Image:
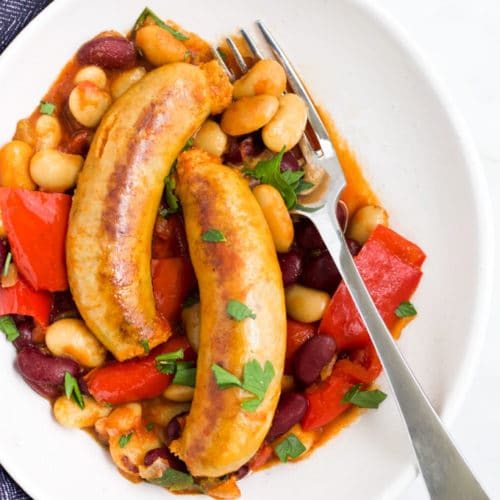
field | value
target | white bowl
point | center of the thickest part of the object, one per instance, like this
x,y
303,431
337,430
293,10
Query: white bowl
x,y
420,161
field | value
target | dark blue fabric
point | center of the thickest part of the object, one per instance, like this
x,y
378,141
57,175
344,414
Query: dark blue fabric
x,y
14,16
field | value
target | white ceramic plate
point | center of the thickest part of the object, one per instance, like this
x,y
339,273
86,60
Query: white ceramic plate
x,y
417,156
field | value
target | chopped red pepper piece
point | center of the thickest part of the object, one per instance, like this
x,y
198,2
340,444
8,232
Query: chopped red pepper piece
x,y
389,266
172,280
36,224
325,401
135,379
22,299
361,367
169,238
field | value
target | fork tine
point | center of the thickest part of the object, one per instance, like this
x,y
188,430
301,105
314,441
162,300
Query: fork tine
x,y
237,55
251,44
299,88
221,61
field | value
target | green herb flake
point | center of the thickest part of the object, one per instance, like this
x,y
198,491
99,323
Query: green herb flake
x,y
364,399
187,55
174,480
72,390
291,447
166,363
47,108
239,311
191,300
8,327
124,439
213,236
303,208
147,12
6,264
222,54
170,198
405,310
185,375
150,427
256,380
145,346
107,405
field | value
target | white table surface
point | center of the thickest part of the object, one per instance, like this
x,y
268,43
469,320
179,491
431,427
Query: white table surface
x,y
460,39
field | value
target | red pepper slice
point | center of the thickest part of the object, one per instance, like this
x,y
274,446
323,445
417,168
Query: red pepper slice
x,y
22,299
135,379
172,280
325,401
389,265
362,367
36,225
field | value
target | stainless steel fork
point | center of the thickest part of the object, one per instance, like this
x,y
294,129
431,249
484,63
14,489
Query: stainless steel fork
x,y
445,472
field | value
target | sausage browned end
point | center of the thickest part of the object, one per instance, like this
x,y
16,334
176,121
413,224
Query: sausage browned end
x,y
220,436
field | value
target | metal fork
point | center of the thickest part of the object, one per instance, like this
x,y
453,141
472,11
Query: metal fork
x,y
446,474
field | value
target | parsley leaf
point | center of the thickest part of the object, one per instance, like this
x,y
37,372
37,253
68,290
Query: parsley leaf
x,y
213,235
8,327
150,426
147,12
185,373
174,480
405,310
256,380
6,264
222,54
47,108
170,198
291,447
145,345
72,390
364,399
166,363
239,311
124,439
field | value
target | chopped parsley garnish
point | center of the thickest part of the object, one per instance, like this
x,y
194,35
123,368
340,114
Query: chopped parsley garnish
x,y
222,54
8,327
166,363
124,439
364,399
47,108
174,480
239,311
256,380
6,264
291,447
288,183
405,310
185,373
150,427
145,345
213,235
72,390
147,12
170,198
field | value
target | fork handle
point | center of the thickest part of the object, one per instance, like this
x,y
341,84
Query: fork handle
x,y
446,474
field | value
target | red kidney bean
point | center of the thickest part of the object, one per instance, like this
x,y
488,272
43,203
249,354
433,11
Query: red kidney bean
x,y
79,142
45,390
233,153
24,326
174,429
290,411
63,306
291,267
354,247
43,368
108,52
307,236
242,472
289,162
312,356
4,250
251,146
320,272
165,454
